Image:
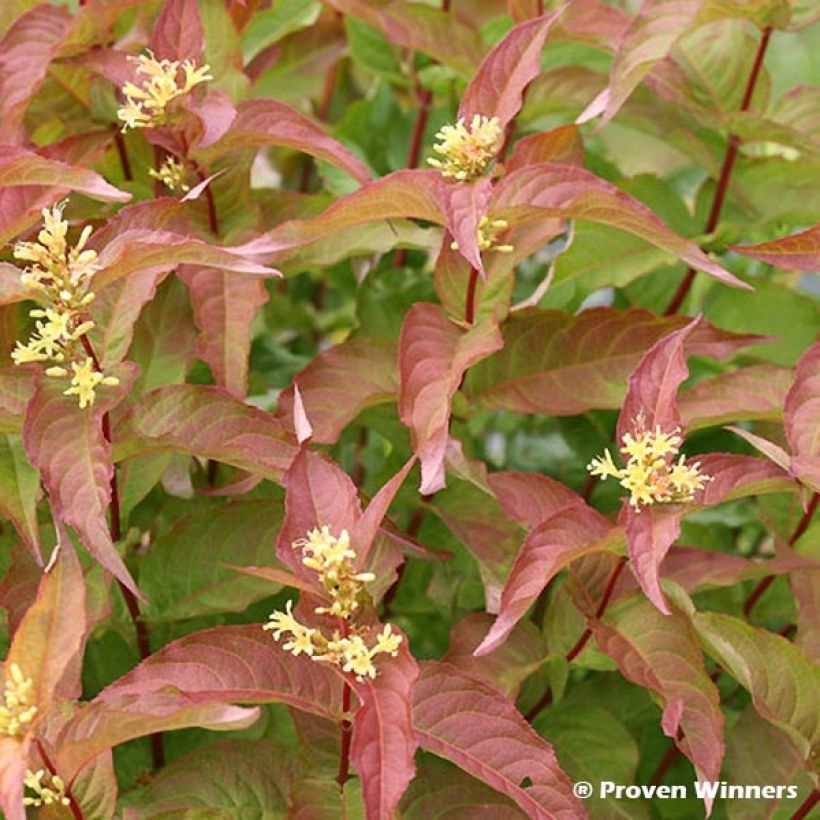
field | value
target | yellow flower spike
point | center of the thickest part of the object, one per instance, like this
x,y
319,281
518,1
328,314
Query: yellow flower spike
x,y
85,381
17,711
49,789
145,104
171,174
333,560
651,474
466,152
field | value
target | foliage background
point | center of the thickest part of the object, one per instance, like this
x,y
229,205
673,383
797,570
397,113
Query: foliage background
x,y
204,435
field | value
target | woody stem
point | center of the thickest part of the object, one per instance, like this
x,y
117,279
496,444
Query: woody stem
x,y
115,528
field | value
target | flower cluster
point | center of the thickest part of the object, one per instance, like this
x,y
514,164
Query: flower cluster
x,y
466,152
60,277
17,710
651,473
48,789
145,104
332,559
488,233
171,174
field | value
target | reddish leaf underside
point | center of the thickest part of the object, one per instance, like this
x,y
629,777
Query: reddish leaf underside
x,y
67,446
801,418
384,741
497,89
801,251
177,32
434,354
465,720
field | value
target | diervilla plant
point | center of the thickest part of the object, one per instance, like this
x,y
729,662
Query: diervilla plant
x,y
408,405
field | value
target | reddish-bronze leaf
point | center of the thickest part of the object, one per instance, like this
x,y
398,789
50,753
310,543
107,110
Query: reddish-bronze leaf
x,y
570,533
472,724
802,418
207,422
13,764
19,492
800,251
177,33
268,122
555,189
497,89
562,144
434,354
531,498
341,382
661,653
67,446
384,742
225,305
751,393
464,205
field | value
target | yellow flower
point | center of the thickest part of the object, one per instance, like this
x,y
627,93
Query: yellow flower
x,y
85,381
651,473
145,104
466,152
171,174
333,560
17,710
49,789
488,232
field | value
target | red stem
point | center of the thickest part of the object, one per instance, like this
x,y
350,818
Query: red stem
x,y
469,307
140,628
764,583
666,762
119,142
576,650
75,807
347,726
808,804
321,113
725,172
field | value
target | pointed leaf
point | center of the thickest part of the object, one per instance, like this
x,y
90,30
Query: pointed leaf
x,y
649,535
146,252
497,89
230,664
103,724
318,493
21,167
464,204
562,144
476,727
751,393
653,385
19,488
800,251
531,498
67,447
49,641
782,681
570,533
661,653
225,305
802,418
268,122
177,33
207,422
384,743
434,354
341,382
772,451
553,189
736,476
555,363
185,573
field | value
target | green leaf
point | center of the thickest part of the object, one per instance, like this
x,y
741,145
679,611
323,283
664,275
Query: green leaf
x,y
782,681
268,27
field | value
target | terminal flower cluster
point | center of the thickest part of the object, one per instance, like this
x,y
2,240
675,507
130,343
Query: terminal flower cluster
x,y
165,80
488,233
171,174
60,277
49,789
651,473
17,710
467,151
332,559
